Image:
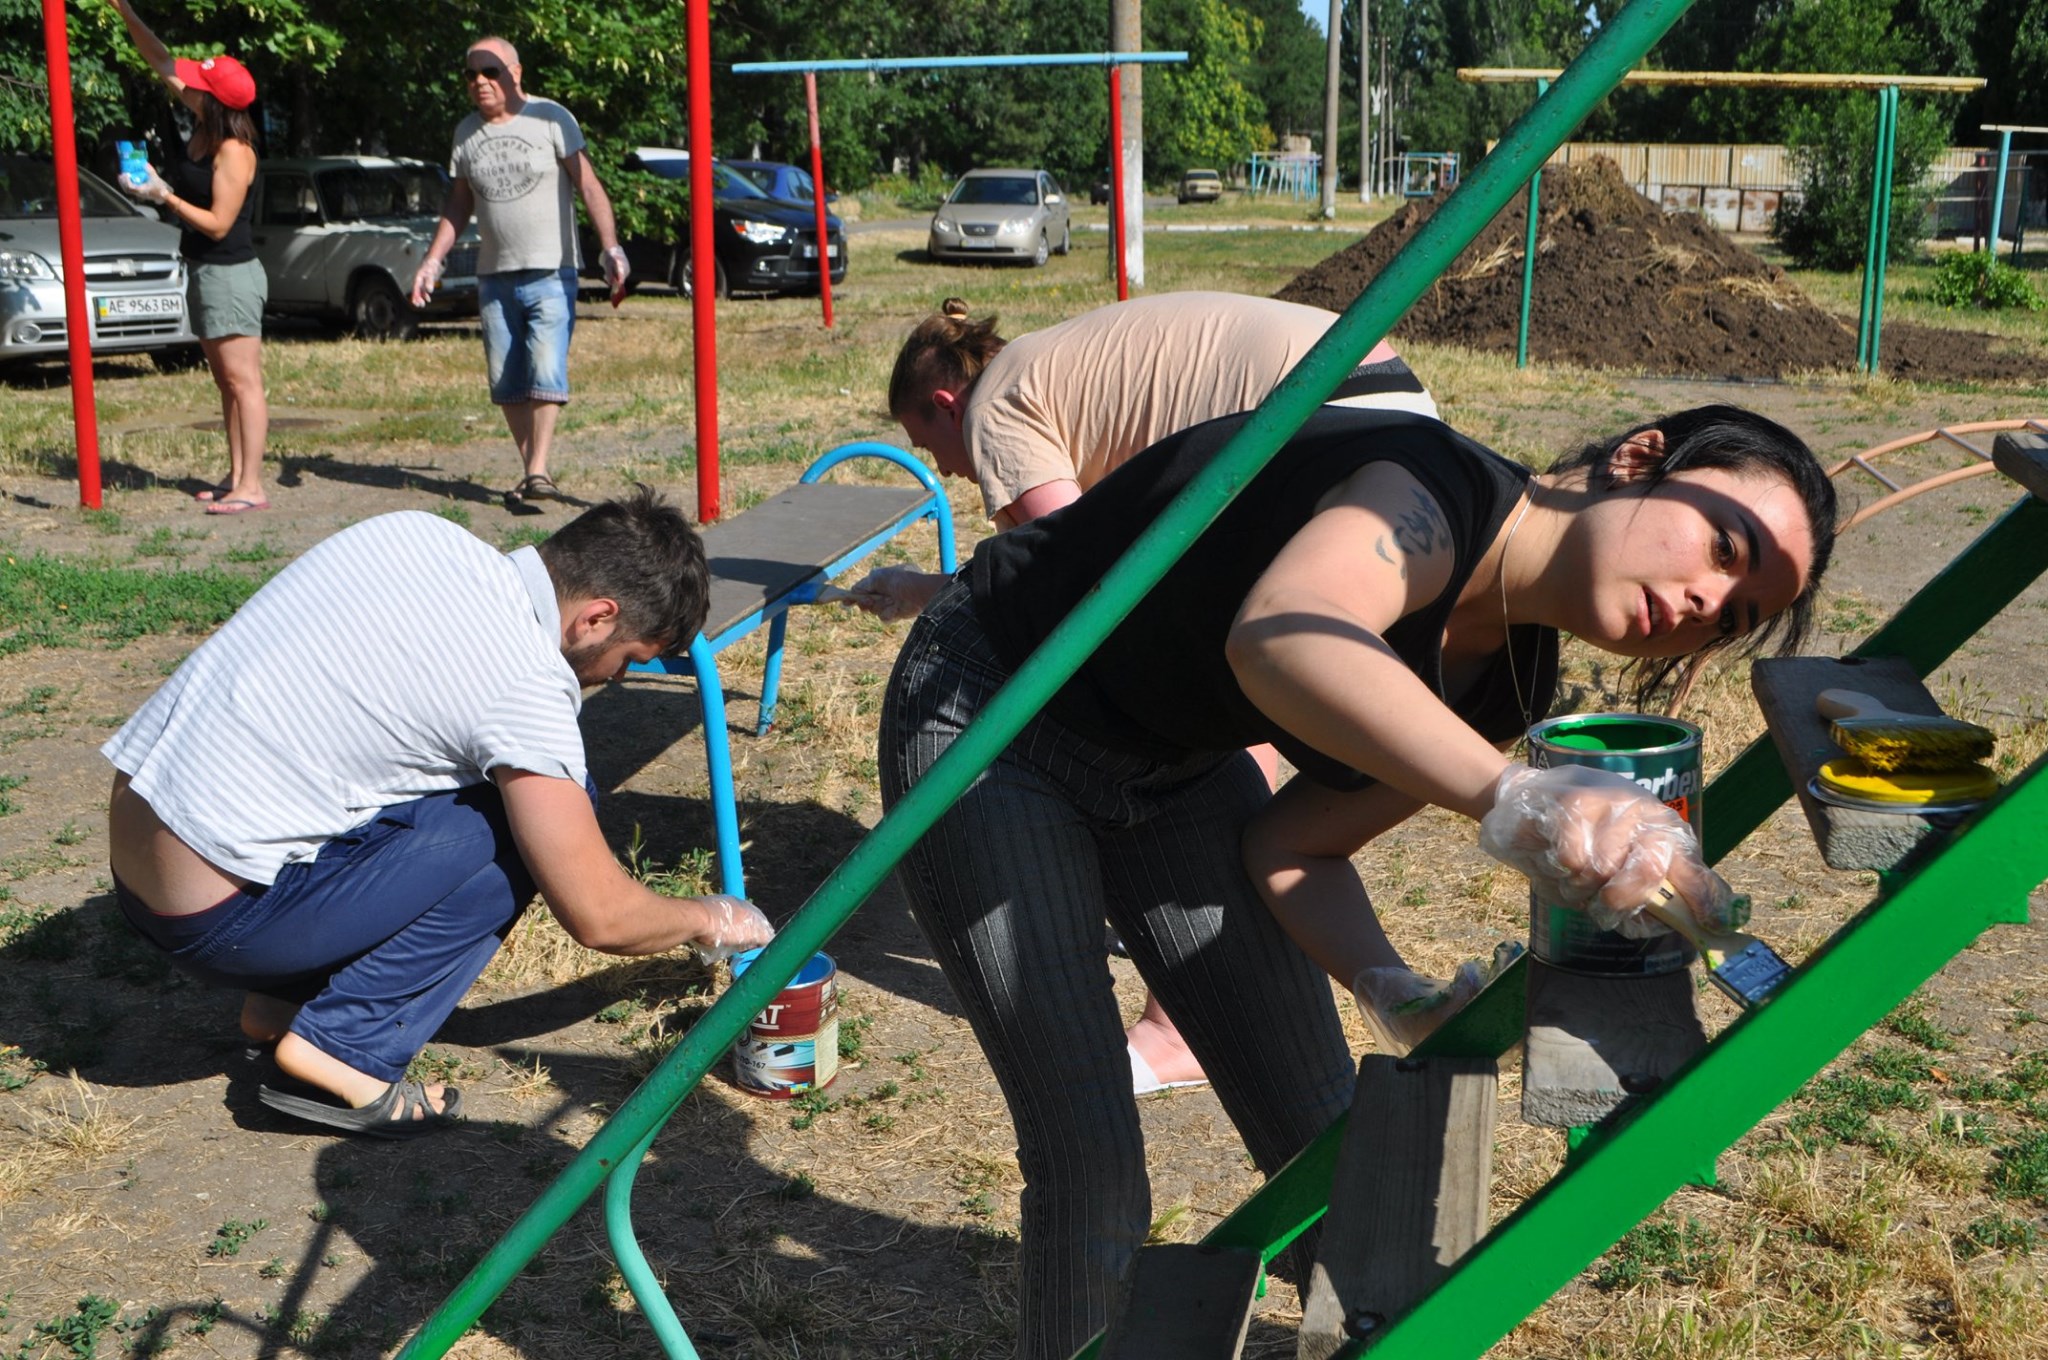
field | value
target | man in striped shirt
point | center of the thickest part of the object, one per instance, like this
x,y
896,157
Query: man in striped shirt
x,y
342,800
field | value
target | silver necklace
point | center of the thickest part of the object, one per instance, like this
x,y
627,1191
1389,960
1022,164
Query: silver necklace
x,y
1507,629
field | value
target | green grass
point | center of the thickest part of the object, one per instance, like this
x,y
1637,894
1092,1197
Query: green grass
x,y
55,602
230,1237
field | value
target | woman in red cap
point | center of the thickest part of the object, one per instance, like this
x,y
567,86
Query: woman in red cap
x,y
206,191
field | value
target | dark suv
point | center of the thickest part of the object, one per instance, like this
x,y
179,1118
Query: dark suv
x,y
761,244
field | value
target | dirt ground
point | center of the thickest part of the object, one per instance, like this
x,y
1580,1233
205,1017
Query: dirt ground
x,y
1619,284
136,1165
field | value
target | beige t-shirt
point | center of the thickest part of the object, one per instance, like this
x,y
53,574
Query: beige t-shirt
x,y
525,211
1075,400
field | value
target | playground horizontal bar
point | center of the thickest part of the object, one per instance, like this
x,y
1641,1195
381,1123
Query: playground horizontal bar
x,y
764,68
1792,80
1406,277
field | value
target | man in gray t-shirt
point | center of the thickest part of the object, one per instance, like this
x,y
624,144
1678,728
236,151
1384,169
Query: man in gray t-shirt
x,y
516,159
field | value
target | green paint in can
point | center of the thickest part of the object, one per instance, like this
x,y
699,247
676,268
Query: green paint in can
x,y
1663,756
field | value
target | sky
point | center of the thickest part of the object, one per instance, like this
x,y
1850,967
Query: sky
x,y
1317,11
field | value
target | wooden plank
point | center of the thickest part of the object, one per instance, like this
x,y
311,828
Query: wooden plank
x,y
1184,1301
2023,456
762,554
1596,1041
1849,838
1409,1197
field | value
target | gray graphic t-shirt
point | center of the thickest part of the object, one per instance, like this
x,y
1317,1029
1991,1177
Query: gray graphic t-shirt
x,y
523,207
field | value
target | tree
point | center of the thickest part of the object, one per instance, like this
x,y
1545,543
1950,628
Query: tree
x,y
1202,113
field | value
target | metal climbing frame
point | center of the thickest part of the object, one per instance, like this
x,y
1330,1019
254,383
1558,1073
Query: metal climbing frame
x,y
616,1147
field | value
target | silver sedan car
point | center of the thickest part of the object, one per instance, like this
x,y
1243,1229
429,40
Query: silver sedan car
x,y
134,279
1002,215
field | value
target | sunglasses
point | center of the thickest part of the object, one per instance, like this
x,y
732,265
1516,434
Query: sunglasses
x,y
470,73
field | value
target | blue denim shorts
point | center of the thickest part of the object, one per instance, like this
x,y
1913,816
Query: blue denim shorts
x,y
528,316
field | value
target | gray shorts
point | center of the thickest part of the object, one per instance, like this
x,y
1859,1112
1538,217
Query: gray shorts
x,y
227,299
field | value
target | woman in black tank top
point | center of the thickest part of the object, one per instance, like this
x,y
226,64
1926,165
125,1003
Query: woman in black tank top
x,y
206,190
1382,602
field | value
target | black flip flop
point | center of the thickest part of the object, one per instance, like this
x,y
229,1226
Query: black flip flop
x,y
403,1111
536,486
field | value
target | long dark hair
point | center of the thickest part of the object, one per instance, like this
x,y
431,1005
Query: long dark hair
x,y
1743,442
945,350
219,124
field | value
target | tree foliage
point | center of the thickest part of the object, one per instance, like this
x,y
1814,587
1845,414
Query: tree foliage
x,y
343,75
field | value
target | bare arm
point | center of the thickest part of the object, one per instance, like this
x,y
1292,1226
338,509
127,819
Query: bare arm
x,y
1308,648
234,173
583,175
154,53
596,901
1298,852
1039,500
455,215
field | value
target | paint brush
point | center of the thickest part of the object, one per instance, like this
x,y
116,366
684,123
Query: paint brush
x,y
1742,966
1885,739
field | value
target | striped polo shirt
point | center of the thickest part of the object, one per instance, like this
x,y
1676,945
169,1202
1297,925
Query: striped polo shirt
x,y
399,658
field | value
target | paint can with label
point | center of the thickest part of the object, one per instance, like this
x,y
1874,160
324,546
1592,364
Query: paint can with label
x,y
792,1046
1663,756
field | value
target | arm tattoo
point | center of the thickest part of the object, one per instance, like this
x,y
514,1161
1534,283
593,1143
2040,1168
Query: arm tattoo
x,y
1379,545
1420,530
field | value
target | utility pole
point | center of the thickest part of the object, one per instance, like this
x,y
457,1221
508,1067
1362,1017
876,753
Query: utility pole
x,y
1124,36
1330,69
1365,101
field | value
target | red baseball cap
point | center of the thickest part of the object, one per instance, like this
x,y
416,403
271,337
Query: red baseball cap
x,y
222,77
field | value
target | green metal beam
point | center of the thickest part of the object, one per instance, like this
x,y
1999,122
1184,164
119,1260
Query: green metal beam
x,y
1639,1157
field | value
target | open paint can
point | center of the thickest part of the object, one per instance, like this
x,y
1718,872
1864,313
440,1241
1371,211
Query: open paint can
x,y
792,1046
1663,756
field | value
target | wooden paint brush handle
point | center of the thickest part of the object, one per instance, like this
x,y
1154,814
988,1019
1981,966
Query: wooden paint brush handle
x,y
1668,905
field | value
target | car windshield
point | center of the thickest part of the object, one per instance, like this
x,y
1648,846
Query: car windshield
x,y
368,193
28,188
1012,190
726,182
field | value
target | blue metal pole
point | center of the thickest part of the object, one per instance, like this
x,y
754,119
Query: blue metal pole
x,y
1998,194
767,68
1870,241
1529,254
1890,105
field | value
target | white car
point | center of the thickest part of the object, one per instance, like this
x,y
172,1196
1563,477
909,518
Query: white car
x,y
1002,215
134,278
341,236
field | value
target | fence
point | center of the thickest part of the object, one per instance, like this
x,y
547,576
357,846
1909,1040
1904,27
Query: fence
x,y
1739,186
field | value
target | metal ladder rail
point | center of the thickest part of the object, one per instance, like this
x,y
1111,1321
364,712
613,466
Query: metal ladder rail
x,y
1621,43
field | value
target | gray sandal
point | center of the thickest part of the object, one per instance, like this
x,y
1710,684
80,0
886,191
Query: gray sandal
x,y
403,1111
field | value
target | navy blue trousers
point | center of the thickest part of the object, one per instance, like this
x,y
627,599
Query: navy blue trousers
x,y
379,935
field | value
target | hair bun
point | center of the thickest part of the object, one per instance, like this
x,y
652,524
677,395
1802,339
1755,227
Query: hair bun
x,y
954,307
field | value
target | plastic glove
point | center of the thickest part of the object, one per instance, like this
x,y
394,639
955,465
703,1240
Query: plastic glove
x,y
1595,840
735,925
153,189
616,271
425,279
893,594
1402,1008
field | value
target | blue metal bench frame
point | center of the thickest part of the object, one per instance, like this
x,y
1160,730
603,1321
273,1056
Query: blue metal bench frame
x,y
700,659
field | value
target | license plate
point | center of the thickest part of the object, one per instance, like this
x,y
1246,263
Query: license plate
x,y
810,252
152,304
978,242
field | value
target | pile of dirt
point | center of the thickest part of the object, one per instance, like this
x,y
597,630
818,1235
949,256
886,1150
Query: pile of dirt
x,y
1619,284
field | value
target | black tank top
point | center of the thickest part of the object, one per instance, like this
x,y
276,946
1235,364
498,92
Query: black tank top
x,y
1160,685
193,181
